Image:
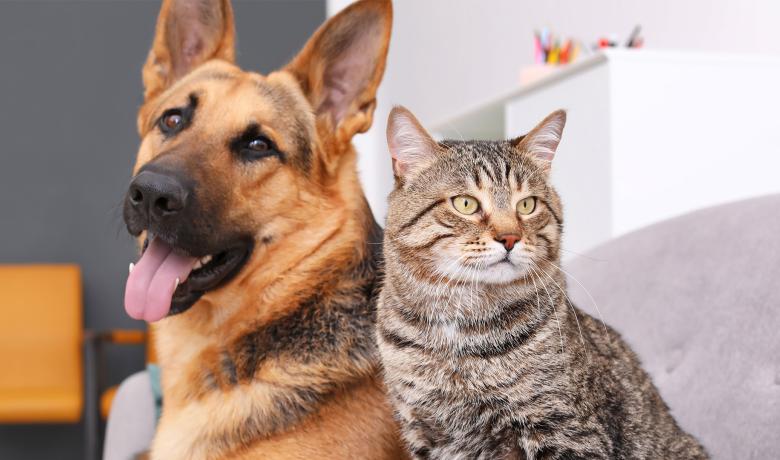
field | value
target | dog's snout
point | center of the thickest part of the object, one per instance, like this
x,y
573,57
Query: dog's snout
x,y
154,195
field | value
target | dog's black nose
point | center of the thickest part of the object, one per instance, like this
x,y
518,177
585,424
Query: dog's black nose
x,y
154,196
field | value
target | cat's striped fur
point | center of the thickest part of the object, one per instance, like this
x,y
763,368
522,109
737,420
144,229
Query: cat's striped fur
x,y
484,356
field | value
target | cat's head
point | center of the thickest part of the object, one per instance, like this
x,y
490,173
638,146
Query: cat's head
x,y
473,211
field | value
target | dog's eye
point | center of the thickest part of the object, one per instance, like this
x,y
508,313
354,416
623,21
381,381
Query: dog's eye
x,y
171,121
253,145
258,147
261,144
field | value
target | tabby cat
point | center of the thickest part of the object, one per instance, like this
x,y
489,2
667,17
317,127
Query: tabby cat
x,y
484,356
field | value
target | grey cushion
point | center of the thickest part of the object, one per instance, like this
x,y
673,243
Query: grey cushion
x,y
132,420
698,298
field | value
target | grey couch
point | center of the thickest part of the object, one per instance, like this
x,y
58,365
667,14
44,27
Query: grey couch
x,y
698,297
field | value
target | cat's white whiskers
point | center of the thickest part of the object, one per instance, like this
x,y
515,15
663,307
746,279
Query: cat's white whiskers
x,y
444,272
568,301
440,286
470,283
458,281
471,286
474,284
536,291
598,310
555,309
579,254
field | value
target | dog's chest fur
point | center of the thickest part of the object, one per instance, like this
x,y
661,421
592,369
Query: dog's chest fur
x,y
225,391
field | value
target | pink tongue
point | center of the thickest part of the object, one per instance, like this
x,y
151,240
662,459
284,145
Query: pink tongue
x,y
150,286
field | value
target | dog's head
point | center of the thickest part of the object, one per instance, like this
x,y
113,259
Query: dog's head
x,y
232,160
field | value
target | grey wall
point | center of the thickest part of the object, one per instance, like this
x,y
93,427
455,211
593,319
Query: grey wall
x,y
70,86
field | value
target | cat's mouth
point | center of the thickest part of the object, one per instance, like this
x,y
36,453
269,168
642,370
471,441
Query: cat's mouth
x,y
489,267
505,260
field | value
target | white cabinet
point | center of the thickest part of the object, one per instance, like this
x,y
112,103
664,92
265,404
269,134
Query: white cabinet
x,y
650,135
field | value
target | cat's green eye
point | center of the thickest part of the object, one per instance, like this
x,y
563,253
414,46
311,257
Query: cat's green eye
x,y
526,206
465,204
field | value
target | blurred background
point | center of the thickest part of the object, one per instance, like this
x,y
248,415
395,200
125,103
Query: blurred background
x,y
457,64
684,121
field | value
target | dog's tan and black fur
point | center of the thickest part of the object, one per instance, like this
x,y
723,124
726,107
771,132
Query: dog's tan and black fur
x,y
277,359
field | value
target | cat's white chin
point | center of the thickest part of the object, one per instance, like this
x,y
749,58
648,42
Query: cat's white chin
x,y
500,272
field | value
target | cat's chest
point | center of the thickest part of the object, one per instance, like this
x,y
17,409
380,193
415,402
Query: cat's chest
x,y
451,359
447,334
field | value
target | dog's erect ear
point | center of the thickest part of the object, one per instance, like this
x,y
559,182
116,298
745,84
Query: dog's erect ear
x,y
341,66
189,33
410,145
543,140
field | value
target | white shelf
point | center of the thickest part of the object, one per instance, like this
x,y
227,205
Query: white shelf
x,y
650,135
486,120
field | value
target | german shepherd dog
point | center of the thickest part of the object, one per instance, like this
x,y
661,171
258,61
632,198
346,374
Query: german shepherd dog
x,y
260,254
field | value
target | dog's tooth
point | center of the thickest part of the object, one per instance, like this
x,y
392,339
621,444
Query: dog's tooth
x,y
132,266
176,284
205,260
197,265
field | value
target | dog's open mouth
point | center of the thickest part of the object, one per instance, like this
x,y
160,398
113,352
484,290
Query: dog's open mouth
x,y
167,280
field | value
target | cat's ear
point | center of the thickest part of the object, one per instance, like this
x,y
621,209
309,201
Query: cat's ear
x,y
188,34
543,140
411,147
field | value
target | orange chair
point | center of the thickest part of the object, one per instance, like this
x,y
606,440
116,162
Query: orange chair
x,y
124,337
44,349
41,344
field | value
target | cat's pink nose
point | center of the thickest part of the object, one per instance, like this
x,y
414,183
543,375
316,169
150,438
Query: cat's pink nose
x,y
508,240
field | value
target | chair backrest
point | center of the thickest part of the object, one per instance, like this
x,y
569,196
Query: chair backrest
x,y
698,298
41,353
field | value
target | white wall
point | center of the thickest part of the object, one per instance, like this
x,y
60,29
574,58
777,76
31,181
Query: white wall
x,y
447,55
